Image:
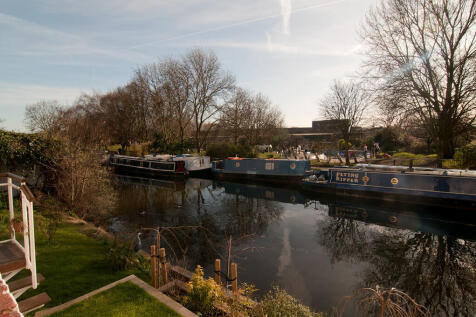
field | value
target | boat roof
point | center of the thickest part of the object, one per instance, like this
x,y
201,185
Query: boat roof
x,y
263,159
422,170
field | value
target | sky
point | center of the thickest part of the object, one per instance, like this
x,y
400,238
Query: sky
x,y
289,50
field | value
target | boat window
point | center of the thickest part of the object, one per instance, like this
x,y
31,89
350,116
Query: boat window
x,y
269,194
269,166
237,164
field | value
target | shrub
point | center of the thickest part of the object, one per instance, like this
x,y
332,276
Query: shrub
x,y
388,139
380,302
467,156
278,302
341,144
84,186
161,145
122,256
414,144
224,150
202,293
29,155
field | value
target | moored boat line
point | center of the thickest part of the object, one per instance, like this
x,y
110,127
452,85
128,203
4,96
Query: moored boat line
x,y
442,187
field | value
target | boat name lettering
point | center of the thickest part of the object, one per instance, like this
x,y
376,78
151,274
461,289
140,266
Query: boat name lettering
x,y
347,177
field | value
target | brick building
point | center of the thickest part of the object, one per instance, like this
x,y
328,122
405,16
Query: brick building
x,y
327,131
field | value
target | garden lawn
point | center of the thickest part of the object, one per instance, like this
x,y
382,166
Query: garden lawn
x,y
122,300
73,265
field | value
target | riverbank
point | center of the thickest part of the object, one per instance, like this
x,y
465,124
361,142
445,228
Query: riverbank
x,y
73,261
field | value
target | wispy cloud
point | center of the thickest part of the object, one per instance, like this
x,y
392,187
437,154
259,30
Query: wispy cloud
x,y
33,39
20,95
270,46
286,10
15,97
232,25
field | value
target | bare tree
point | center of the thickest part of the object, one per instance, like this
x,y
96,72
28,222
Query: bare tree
x,y
346,103
251,116
176,90
209,88
120,116
237,113
44,117
264,120
422,57
149,82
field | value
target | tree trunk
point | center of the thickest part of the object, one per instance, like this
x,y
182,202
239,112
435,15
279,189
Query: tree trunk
x,y
181,138
347,157
197,140
445,143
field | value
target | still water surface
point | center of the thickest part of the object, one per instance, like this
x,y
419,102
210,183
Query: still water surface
x,y
318,248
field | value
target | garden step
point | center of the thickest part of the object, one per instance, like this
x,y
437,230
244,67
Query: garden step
x,y
24,283
11,257
33,303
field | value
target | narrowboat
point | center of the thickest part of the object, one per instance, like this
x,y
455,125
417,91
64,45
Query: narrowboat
x,y
273,170
441,187
146,167
195,165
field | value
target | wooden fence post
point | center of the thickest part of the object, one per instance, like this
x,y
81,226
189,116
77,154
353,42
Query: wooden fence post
x,y
217,271
234,279
163,266
158,240
153,266
10,207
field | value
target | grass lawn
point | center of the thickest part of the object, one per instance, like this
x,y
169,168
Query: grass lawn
x,y
122,300
73,265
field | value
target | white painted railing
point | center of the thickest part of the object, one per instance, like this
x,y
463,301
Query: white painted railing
x,y
26,198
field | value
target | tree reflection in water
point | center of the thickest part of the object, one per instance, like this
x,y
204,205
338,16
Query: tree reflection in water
x,y
427,261
437,271
219,214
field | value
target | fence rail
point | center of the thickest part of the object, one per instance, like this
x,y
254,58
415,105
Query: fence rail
x,y
26,199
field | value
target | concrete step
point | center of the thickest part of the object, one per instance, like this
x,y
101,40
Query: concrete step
x,y
33,303
11,257
24,283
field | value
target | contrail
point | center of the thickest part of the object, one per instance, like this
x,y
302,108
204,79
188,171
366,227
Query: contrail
x,y
249,21
286,11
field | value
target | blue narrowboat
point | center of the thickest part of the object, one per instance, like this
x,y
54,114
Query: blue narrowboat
x,y
277,170
455,188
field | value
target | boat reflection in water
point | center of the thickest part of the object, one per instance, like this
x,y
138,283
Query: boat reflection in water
x,y
319,248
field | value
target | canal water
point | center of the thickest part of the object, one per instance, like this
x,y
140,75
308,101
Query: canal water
x,y
318,248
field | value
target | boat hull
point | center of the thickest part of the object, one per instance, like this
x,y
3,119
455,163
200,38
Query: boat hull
x,y
281,179
402,188
202,173
130,170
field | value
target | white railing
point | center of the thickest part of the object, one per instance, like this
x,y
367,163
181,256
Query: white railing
x,y
26,198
